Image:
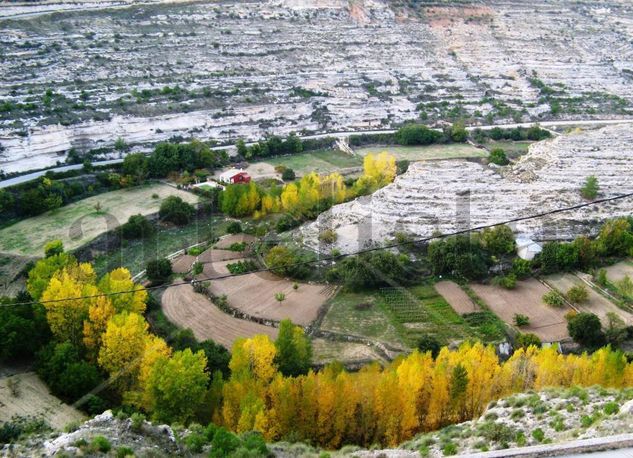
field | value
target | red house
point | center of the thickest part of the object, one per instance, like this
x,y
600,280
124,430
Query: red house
x,y
235,176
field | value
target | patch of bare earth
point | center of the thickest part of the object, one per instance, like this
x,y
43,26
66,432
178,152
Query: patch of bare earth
x,y
620,270
456,297
547,322
188,309
254,294
225,242
182,264
596,303
326,351
213,255
26,395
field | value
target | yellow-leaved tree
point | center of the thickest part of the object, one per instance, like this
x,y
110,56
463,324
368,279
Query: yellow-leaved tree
x,y
116,283
380,167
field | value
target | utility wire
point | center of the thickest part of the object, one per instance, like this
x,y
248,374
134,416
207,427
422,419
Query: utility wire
x,y
341,256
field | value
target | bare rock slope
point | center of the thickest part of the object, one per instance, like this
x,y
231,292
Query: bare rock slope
x,y
444,196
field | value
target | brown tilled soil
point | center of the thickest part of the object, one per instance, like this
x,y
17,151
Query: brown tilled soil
x,y
213,255
326,351
456,297
225,242
255,294
216,269
188,309
597,303
182,264
547,322
618,271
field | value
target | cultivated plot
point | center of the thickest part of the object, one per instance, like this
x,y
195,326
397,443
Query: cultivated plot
x,y
596,303
426,153
326,351
26,395
255,294
362,315
322,162
188,309
456,297
82,221
547,322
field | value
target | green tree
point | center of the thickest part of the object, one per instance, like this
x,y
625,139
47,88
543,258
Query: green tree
x,y
458,132
429,343
527,340
586,329
590,188
158,270
175,210
23,328
288,175
136,227
615,237
53,248
415,134
294,350
177,386
499,240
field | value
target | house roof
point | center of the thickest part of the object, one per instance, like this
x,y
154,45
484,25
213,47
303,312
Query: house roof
x,y
230,174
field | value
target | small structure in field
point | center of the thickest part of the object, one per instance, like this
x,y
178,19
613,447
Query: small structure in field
x,y
527,248
235,176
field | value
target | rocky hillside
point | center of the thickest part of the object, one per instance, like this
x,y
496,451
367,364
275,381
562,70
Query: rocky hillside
x,y
446,195
145,71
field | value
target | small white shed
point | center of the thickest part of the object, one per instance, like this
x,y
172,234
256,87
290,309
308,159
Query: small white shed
x,y
527,248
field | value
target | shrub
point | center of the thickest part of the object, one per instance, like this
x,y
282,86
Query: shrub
x,y
577,294
498,156
237,246
611,408
449,449
538,435
527,340
197,268
234,227
288,175
136,227
521,268
100,444
254,441
223,443
521,320
195,442
158,270
175,210
590,188
53,247
601,277
506,281
554,299
499,240
413,134
328,236
195,251
137,420
241,267
586,329
124,452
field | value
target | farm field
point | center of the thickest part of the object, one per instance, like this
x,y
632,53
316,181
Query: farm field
x,y
512,149
546,322
456,297
188,309
427,152
420,310
324,161
135,254
596,304
255,294
225,242
326,351
34,399
79,222
346,316
620,270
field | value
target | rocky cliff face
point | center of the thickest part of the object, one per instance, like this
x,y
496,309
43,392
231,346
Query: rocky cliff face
x,y
445,196
222,70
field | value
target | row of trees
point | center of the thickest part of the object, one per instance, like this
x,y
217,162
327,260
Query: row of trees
x,y
387,406
311,195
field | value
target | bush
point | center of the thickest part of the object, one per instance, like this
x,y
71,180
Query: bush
x,y
414,134
241,267
499,240
498,156
158,270
137,227
288,175
124,452
554,299
223,443
238,246
175,210
586,329
506,281
590,188
234,227
521,268
197,268
578,294
137,420
521,320
328,236
601,277
527,340
286,262
195,442
538,435
53,247
100,444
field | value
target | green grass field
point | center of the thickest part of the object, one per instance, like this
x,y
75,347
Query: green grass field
x,y
512,149
324,161
135,254
345,317
80,222
425,153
